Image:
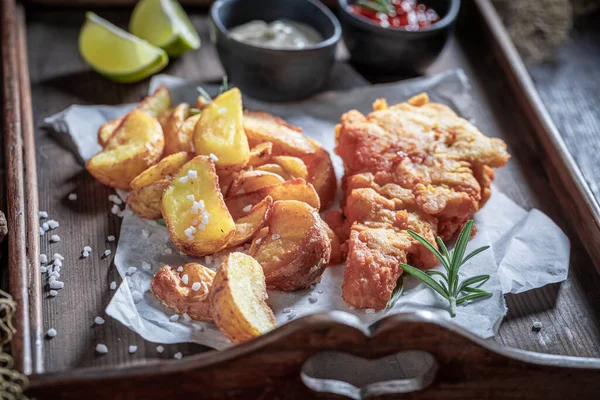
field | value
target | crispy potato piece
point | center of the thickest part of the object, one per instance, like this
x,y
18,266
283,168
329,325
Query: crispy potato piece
x,y
296,248
247,226
336,246
186,131
186,218
260,154
294,166
296,189
136,144
220,132
251,181
181,297
174,140
154,105
145,201
276,169
238,299
166,168
262,127
321,174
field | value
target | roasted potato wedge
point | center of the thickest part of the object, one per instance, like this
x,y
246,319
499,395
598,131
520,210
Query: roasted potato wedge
x,y
153,105
185,295
136,144
145,201
296,189
238,299
276,169
186,131
321,174
260,154
251,181
220,131
165,169
194,211
296,248
175,141
262,127
247,226
293,166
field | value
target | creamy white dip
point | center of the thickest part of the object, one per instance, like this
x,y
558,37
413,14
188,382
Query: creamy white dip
x,y
280,34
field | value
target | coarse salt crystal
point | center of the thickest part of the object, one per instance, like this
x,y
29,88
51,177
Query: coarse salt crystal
x,y
45,227
43,269
51,332
174,318
146,266
54,274
196,286
53,293
137,296
125,213
58,263
132,349
197,326
43,258
52,224
213,157
51,279
43,214
73,196
312,300
185,279
55,238
115,199
222,110
115,209
178,356
98,320
101,348
131,270
113,285
110,238
160,349
167,251
186,318
85,254
258,240
57,256
57,285
291,316
107,252
183,179
192,174
287,310
241,191
190,197
247,208
179,269
537,326
370,311
88,249
145,233
275,236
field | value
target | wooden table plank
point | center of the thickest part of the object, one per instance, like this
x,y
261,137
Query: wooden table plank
x,y
570,312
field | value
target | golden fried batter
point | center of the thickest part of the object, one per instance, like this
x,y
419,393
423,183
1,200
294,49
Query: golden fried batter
x,y
414,165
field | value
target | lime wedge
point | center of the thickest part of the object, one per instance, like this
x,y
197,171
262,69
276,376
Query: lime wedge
x,y
164,24
117,54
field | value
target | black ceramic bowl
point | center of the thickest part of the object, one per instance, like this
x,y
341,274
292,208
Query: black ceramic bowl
x,y
270,74
397,50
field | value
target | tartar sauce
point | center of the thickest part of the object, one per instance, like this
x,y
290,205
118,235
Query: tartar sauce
x,y
280,34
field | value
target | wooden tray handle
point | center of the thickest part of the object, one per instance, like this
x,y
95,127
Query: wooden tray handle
x,y
272,365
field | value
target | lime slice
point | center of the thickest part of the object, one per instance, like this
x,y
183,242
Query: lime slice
x,y
164,24
117,54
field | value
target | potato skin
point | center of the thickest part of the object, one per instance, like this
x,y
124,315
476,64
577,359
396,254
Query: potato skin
x,y
238,314
145,202
168,287
298,257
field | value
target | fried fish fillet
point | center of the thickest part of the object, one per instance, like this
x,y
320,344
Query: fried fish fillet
x,y
414,165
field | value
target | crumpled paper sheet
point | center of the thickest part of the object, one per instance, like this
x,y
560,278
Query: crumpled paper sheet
x,y
528,249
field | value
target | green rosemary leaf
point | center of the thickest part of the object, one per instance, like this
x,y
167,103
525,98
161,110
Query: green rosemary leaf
x,y
396,293
474,296
429,247
204,94
224,85
474,253
195,111
473,290
432,272
444,248
426,279
371,5
481,279
461,246
161,222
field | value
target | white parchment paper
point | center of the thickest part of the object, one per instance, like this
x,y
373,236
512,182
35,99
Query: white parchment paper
x,y
528,249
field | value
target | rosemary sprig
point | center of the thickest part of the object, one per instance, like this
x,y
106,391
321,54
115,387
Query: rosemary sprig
x,y
224,85
204,94
448,285
380,6
195,111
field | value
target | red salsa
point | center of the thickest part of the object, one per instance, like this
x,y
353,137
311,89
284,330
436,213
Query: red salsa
x,y
408,14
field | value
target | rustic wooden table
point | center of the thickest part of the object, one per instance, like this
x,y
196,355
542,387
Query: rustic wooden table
x,y
570,312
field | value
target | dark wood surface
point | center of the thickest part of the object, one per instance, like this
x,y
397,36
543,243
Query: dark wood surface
x,y
570,312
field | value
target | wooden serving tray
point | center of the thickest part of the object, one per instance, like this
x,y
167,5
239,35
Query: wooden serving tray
x,y
561,361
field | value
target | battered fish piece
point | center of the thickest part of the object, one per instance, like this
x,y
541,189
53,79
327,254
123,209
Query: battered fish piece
x,y
414,165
